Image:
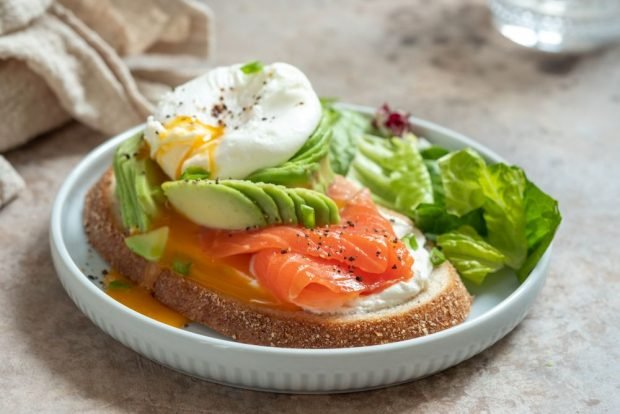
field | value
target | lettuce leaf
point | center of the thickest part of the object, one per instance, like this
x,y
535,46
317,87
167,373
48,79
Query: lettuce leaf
x,y
347,129
520,219
434,219
433,169
462,173
433,152
504,212
470,254
394,171
483,216
542,218
469,184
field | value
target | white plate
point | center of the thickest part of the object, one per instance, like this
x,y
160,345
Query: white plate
x,y
499,305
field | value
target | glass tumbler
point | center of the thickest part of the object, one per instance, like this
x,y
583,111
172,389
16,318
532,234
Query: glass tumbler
x,y
558,26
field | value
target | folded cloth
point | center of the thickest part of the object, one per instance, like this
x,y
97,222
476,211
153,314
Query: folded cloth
x,y
10,182
101,62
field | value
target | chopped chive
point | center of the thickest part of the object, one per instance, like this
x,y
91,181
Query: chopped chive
x,y
437,257
118,284
411,241
252,67
181,266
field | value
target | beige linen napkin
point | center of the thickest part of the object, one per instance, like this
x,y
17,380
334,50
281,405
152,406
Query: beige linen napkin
x,y
101,62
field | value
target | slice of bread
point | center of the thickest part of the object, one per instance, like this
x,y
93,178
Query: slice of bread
x,y
443,304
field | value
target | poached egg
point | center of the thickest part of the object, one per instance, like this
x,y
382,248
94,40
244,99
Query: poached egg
x,y
232,123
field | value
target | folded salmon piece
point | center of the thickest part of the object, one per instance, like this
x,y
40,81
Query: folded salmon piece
x,y
322,268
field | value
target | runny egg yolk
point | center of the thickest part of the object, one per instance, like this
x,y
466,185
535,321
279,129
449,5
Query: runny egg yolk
x,y
203,138
135,297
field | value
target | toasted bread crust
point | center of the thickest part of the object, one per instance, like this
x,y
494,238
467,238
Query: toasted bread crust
x,y
446,303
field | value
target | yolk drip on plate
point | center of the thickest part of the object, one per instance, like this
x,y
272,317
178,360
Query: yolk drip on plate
x,y
205,139
139,299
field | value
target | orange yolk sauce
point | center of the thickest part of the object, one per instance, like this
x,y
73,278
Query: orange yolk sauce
x,y
139,299
228,277
206,140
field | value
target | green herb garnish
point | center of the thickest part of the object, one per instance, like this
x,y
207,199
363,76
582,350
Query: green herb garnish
x,y
181,266
437,257
118,284
411,241
252,67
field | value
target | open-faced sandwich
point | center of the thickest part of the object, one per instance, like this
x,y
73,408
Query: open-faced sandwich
x,y
249,205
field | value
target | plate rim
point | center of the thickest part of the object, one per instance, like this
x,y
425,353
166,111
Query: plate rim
x,y
57,243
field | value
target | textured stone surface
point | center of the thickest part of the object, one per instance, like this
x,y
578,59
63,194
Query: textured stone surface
x,y
558,117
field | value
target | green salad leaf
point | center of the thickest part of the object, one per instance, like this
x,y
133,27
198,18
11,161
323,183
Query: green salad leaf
x,y
433,152
470,184
348,128
504,212
438,192
483,217
472,256
394,171
520,219
542,218
462,173
434,219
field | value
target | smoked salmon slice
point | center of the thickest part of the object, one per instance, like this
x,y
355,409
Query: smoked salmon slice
x,y
322,268
305,281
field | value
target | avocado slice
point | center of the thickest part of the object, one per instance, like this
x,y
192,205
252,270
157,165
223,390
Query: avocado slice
x,y
149,245
259,196
286,206
305,213
138,180
334,213
312,199
238,204
128,207
211,204
144,196
329,216
307,216
304,169
125,172
291,175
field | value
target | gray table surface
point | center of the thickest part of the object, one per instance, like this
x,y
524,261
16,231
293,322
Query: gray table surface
x,y
557,117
